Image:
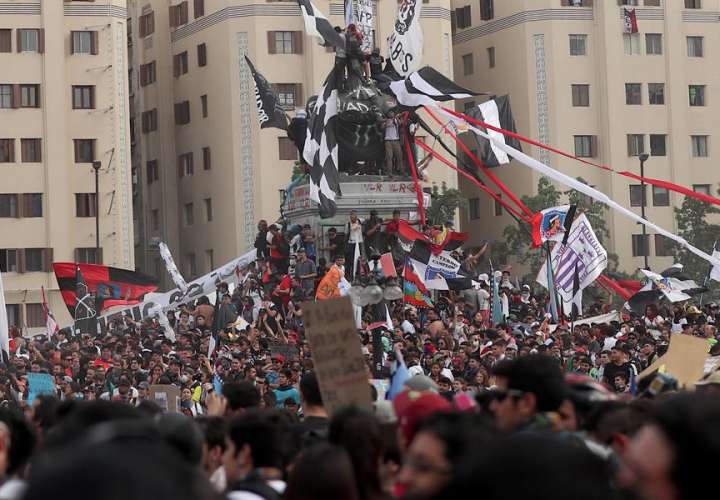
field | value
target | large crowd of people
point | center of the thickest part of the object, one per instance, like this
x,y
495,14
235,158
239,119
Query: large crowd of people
x,y
513,409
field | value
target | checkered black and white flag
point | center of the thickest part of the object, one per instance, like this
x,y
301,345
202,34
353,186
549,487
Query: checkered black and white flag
x,y
321,149
426,86
316,24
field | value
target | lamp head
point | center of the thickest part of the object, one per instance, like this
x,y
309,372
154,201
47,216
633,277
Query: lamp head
x,y
644,157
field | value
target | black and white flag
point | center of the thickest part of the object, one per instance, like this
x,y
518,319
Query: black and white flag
x,y
269,111
317,25
321,149
406,40
495,112
425,87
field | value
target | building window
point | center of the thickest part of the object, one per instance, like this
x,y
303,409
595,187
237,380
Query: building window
x,y
491,57
189,214
695,46
6,96
182,113
663,246
287,149
178,14
474,204
467,106
153,172
640,245
693,4
147,74
88,255
288,94
185,165
202,54
498,208
199,8
656,93
578,45
635,144
35,315
653,44
699,146
203,105
283,42
84,204
147,24
697,95
207,158
652,3
487,10
85,42
83,96
180,64
190,265
209,260
576,3
149,121
29,40
9,205
463,17
32,205
155,219
7,150
37,259
84,150
661,197
5,40
31,150
8,260
580,95
702,188
633,93
585,146
637,195
631,43
657,145
29,96
468,64
208,209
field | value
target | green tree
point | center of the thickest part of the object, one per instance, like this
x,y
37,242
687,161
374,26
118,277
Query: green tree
x,y
443,203
692,223
299,170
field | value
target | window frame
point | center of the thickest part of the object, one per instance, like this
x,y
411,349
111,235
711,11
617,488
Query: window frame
x,y
633,91
639,146
652,93
83,96
699,143
694,46
637,240
633,190
578,98
700,95
577,37
664,145
660,196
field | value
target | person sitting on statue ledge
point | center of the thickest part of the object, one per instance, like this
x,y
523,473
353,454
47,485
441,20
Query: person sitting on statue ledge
x,y
358,70
393,150
335,244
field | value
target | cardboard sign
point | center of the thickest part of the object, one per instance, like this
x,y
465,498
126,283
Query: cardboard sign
x,y
167,397
684,360
38,384
337,354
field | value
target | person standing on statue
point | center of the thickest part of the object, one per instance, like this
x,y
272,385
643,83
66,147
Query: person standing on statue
x,y
355,239
373,234
393,151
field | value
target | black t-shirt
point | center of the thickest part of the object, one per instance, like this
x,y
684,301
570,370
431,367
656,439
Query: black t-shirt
x,y
611,370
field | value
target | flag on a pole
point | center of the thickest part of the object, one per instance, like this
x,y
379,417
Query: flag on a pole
x,y
630,24
426,86
576,304
550,276
406,40
85,309
317,25
269,111
549,225
498,113
4,327
51,324
172,268
414,289
497,316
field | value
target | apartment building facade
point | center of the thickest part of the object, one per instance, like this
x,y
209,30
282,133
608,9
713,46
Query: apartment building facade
x,y
577,81
63,106
204,171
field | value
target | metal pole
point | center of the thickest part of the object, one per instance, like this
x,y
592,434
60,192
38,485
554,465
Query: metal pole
x,y
646,245
96,167
377,358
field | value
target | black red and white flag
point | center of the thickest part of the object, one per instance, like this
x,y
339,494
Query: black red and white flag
x,y
317,25
498,113
270,114
630,24
109,286
427,86
321,149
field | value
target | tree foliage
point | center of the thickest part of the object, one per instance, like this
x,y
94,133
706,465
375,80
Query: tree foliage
x,y
443,203
692,223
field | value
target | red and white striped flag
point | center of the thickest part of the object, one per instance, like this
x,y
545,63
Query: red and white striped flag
x,y
52,325
630,21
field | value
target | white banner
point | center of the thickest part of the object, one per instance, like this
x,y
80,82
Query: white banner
x,y
364,19
172,268
444,263
406,42
598,320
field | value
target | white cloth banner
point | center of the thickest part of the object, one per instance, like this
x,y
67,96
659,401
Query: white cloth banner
x,y
364,19
4,333
603,318
583,188
406,42
715,271
172,268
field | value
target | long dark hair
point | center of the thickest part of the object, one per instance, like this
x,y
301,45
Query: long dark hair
x,y
323,472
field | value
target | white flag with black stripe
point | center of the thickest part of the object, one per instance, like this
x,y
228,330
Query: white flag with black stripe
x,y
425,87
321,149
495,112
317,25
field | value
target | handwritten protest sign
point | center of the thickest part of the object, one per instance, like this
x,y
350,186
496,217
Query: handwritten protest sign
x,y
38,384
684,360
337,354
166,397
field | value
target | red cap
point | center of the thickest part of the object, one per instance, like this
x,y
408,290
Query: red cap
x,y
413,406
279,357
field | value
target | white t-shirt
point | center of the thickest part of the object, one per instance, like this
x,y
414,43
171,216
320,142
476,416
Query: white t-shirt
x,y
355,232
407,327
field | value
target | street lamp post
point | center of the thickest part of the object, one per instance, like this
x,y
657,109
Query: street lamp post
x,y
96,166
646,245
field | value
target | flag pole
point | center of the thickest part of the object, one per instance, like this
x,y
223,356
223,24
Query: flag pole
x,y
707,276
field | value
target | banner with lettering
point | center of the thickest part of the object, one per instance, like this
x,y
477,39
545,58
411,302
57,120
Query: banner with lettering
x,y
406,42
